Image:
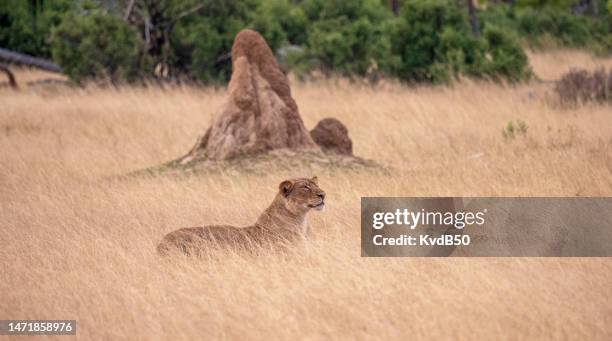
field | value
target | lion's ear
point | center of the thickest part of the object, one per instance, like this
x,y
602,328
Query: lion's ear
x,y
286,187
315,180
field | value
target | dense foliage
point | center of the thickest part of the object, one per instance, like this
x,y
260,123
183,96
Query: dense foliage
x,y
25,26
546,23
427,41
97,45
433,39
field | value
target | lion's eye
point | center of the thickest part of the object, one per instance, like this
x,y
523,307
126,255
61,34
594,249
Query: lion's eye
x,y
307,188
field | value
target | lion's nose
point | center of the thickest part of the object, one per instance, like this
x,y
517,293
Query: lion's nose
x,y
321,195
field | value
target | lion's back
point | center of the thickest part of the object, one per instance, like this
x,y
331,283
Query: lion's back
x,y
190,239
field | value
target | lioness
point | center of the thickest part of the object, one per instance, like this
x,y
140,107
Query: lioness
x,y
283,221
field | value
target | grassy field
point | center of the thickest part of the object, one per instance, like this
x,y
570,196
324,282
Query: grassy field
x,y
77,243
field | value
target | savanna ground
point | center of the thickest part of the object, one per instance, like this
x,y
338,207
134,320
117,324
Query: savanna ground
x,y
79,242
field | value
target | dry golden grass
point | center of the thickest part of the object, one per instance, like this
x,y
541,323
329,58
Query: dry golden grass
x,y
77,244
551,65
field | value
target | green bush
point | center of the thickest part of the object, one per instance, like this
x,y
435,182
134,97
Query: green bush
x,y
280,22
458,53
506,58
601,35
343,36
542,23
91,43
500,15
435,44
26,28
347,36
429,41
568,29
197,56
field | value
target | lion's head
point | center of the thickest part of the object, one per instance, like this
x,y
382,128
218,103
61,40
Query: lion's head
x,y
302,194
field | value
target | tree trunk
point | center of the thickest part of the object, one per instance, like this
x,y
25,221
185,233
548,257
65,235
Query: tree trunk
x,y
473,18
394,6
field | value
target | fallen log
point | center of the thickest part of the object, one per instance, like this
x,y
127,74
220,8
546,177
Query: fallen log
x,y
12,57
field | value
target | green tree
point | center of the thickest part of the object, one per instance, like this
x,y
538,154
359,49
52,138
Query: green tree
x,y
430,34
434,43
348,36
91,43
25,26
